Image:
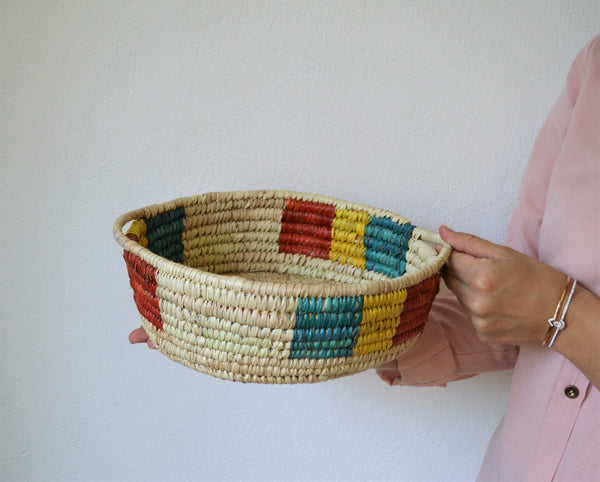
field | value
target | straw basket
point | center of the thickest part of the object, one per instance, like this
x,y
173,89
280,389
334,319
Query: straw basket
x,y
279,286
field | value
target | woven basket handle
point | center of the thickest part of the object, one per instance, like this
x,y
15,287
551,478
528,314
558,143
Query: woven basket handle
x,y
126,242
433,242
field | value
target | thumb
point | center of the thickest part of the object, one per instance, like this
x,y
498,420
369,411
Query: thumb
x,y
470,244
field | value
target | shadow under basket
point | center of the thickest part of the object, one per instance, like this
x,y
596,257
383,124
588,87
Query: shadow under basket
x,y
279,286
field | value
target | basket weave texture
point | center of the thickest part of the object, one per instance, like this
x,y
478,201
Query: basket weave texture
x,y
279,286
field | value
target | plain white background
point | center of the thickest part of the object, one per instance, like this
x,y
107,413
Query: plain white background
x,y
427,108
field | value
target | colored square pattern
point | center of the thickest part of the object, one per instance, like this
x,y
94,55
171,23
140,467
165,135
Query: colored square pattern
x,y
341,327
306,228
329,327
326,327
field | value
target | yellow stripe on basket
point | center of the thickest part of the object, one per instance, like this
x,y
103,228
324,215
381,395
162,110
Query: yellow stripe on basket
x,y
347,237
380,318
138,229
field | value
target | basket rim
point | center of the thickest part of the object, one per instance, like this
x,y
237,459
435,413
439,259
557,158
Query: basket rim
x,y
280,288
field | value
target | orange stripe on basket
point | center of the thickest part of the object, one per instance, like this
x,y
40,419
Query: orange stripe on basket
x,y
142,278
306,228
327,210
416,309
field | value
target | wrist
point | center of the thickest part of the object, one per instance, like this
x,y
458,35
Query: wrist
x,y
580,341
576,323
553,284
557,322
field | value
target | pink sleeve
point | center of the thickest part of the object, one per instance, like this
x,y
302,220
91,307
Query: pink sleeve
x,y
523,232
449,348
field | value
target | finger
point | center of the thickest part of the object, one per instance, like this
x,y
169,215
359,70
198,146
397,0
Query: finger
x,y
460,289
138,335
462,267
453,283
470,244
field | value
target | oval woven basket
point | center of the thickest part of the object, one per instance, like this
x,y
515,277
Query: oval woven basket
x,y
279,286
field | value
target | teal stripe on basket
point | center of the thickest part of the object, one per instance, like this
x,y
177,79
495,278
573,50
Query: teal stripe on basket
x,y
164,234
386,244
326,327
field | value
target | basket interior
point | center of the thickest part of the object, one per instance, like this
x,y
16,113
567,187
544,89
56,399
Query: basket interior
x,y
282,239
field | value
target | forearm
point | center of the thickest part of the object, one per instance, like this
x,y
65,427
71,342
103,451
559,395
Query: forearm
x,y
580,340
508,297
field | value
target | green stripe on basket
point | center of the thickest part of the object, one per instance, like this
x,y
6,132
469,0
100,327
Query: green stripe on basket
x,y
164,234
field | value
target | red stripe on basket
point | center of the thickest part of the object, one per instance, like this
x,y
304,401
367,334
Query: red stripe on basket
x,y
306,228
305,240
419,299
142,278
307,218
327,210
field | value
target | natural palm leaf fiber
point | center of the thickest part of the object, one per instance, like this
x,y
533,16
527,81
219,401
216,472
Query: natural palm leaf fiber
x,y
279,286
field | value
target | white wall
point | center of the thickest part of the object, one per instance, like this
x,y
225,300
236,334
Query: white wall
x,y
425,108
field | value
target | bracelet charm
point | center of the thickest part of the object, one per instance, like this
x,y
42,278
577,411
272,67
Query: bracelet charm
x,y
557,322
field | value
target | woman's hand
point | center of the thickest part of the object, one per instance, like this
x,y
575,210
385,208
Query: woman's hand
x,y
507,295
139,335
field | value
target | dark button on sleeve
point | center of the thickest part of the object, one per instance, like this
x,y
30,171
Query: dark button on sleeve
x,y
571,391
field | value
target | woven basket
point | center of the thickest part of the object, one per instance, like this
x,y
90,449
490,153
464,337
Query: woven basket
x,y
279,286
